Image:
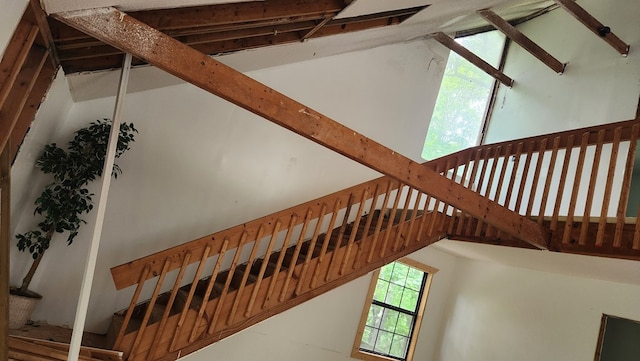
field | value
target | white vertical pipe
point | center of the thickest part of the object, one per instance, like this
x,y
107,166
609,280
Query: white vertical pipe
x,y
90,266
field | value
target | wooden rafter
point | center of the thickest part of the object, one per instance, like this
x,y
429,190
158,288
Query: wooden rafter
x,y
522,40
5,237
225,28
594,25
445,40
116,28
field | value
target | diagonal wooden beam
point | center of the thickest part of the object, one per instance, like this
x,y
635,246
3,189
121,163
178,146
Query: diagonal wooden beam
x,y
522,40
5,240
130,35
594,25
445,40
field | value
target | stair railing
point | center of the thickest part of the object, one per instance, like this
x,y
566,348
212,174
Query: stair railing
x,y
245,273
254,266
568,180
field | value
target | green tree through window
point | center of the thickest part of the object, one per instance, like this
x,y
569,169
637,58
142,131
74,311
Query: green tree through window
x,y
391,320
459,112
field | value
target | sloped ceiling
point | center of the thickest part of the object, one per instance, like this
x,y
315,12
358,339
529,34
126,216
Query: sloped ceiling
x,y
437,15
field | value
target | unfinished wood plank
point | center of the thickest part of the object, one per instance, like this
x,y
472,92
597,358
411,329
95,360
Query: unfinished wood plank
x,y
626,185
115,28
596,27
591,190
445,40
525,42
606,200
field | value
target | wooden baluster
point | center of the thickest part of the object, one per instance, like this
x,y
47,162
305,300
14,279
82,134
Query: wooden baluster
x,y
296,254
525,175
426,214
354,231
536,176
227,283
340,238
586,218
325,243
547,183
245,275
472,179
455,215
207,292
568,226
602,224
403,217
514,175
392,217
376,232
367,225
489,154
165,316
436,209
283,251
263,267
626,186
192,290
414,214
636,233
150,306
312,247
491,231
487,193
132,305
563,181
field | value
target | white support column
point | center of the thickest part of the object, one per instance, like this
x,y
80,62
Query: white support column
x,y
87,280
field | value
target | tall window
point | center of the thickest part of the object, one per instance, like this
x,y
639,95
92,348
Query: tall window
x,y
392,316
459,113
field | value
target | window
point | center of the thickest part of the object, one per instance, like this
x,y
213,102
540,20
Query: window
x,y
460,111
391,318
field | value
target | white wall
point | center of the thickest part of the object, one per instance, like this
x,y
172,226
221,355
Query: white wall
x,y
9,17
599,85
324,328
501,313
201,165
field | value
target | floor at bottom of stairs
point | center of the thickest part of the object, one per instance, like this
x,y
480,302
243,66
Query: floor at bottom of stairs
x,y
43,331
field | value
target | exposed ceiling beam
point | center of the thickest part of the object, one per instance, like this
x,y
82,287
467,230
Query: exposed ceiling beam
x,y
594,25
522,40
445,40
130,35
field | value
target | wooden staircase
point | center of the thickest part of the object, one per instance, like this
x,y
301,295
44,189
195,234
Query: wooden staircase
x,y
245,274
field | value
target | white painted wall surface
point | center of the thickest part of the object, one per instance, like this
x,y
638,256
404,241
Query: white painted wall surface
x,y
10,16
501,313
599,85
200,165
27,181
324,328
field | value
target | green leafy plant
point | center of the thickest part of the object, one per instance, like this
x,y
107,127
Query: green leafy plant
x,y
63,201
